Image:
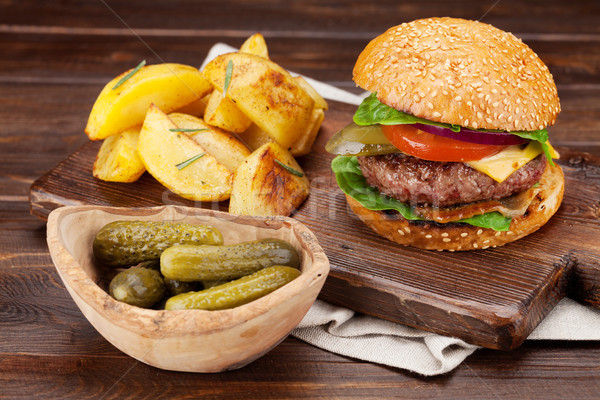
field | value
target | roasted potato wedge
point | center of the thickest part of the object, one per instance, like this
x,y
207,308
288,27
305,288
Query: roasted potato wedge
x,y
268,183
162,150
225,147
255,44
118,160
303,146
195,108
168,86
254,137
319,100
266,93
223,113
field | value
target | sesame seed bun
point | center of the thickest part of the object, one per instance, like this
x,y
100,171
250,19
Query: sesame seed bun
x,y
459,72
456,236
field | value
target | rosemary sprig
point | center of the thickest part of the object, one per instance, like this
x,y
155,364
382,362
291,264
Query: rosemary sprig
x,y
228,73
187,162
129,75
187,130
290,169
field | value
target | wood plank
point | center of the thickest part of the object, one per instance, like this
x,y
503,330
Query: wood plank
x,y
58,354
493,298
95,59
308,19
39,130
37,133
296,370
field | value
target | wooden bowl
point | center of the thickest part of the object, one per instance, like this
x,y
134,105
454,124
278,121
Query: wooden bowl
x,y
185,340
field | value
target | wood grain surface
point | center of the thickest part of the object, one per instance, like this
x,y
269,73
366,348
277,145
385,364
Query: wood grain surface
x,y
56,57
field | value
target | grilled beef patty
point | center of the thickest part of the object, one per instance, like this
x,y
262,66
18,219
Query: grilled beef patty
x,y
416,181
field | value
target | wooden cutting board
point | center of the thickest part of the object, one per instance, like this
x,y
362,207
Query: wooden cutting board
x,y
492,298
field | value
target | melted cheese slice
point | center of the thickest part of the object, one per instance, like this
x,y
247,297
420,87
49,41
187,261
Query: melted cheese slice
x,y
501,165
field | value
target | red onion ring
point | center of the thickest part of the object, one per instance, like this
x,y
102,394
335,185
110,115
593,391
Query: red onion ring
x,y
468,135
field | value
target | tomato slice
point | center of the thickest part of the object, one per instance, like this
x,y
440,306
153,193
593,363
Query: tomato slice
x,y
428,146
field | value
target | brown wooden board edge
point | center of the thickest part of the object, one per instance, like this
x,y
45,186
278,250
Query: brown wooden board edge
x,y
508,331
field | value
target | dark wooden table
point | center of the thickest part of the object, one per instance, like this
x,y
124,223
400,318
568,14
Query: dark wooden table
x,y
55,58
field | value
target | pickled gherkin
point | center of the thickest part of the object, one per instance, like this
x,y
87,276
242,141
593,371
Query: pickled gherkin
x,y
358,140
208,263
237,292
138,286
124,243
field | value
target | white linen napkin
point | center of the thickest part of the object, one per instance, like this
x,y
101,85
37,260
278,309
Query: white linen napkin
x,y
342,331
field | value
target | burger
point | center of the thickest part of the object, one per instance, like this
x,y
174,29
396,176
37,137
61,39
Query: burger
x,y
450,149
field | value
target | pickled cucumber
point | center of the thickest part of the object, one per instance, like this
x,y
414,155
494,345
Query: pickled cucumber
x,y
357,140
138,286
208,263
237,292
124,243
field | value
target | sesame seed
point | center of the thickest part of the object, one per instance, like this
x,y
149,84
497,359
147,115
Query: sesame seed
x,y
446,240
400,232
498,233
479,231
445,234
464,234
475,245
428,236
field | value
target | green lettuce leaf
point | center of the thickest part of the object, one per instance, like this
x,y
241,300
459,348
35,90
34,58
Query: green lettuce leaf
x,y
540,136
350,179
371,111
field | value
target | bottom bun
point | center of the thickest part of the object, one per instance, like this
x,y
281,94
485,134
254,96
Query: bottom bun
x,y
430,235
